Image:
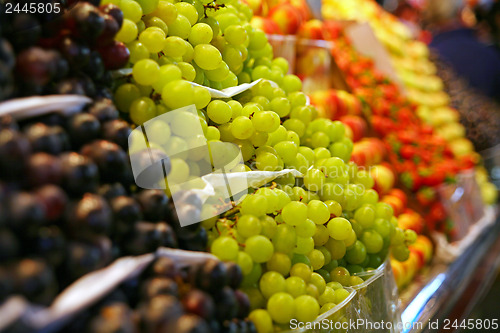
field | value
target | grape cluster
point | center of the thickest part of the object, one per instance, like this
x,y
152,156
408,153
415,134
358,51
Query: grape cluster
x,y
298,249
68,203
165,298
174,44
70,52
7,61
298,242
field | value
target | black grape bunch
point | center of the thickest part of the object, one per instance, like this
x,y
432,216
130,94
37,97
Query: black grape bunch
x,y
59,47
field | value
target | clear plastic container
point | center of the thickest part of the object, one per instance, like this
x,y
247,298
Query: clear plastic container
x,y
371,306
336,320
462,202
491,159
314,65
284,46
377,301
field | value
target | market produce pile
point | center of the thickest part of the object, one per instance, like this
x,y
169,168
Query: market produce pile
x,y
66,48
290,248
279,231
410,59
415,142
200,298
68,202
479,115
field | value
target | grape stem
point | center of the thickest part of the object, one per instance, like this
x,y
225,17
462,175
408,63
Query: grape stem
x,y
212,6
231,211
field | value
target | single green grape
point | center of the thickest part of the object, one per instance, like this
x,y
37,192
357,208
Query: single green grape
x,y
225,248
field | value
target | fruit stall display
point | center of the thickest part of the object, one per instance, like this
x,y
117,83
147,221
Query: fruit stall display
x,y
411,60
294,247
70,206
423,152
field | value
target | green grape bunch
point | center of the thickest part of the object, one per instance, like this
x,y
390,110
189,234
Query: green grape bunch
x,y
299,241
175,43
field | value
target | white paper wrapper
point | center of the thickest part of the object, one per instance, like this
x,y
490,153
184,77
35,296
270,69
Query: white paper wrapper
x,y
224,93
228,92
22,108
88,290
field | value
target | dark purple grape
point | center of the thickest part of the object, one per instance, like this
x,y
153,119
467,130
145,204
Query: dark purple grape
x,y
234,275
102,90
230,327
26,213
190,323
226,305
7,122
113,318
210,276
111,28
188,198
36,66
49,139
3,194
79,322
250,326
78,55
83,128
159,286
215,326
126,211
83,258
112,161
25,30
105,83
96,3
85,21
199,303
111,191
50,244
80,174
7,86
6,283
160,314
87,85
14,153
60,133
43,169
35,280
243,326
188,214
104,110
193,240
114,55
243,304
113,11
164,267
154,204
147,237
95,66
7,57
70,87
117,131
92,213
115,296
54,200
9,246
154,165
50,119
